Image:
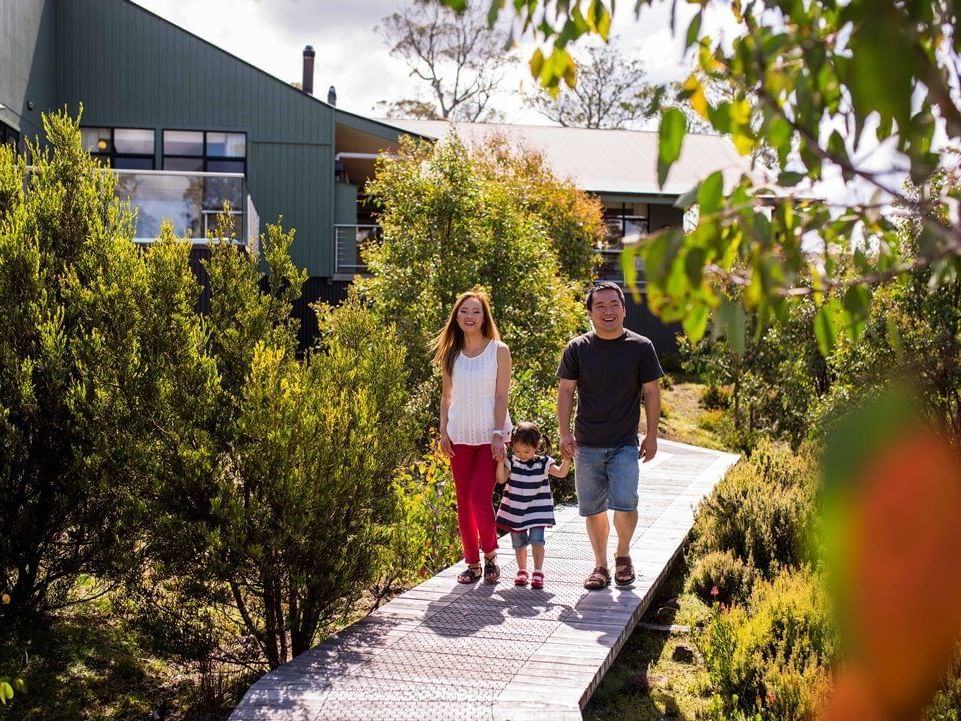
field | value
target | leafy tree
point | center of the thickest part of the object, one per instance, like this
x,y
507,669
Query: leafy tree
x,y
452,220
831,79
609,92
459,57
573,221
299,458
408,108
87,353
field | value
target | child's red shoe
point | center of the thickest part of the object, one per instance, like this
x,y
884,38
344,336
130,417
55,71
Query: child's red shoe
x,y
521,578
537,580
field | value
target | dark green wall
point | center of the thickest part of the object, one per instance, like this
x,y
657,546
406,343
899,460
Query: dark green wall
x,y
27,55
130,68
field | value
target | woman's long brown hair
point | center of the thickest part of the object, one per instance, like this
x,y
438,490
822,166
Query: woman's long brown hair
x,y
450,341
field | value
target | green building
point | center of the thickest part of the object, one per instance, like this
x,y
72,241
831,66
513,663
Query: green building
x,y
187,126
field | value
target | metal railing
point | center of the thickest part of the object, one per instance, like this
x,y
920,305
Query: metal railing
x,y
611,269
349,244
191,201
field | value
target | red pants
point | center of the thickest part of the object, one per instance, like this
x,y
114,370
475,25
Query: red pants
x,y
474,469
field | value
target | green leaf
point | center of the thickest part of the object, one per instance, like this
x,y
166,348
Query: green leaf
x,y
881,68
670,138
629,270
709,196
492,12
789,179
688,199
730,317
536,63
695,322
693,30
828,324
694,267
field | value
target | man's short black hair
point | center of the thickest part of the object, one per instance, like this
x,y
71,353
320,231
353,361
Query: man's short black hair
x,y
603,285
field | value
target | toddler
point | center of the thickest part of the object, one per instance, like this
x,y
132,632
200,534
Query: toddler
x,y
527,507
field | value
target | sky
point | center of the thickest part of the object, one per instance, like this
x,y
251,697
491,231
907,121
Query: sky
x,y
352,56
271,34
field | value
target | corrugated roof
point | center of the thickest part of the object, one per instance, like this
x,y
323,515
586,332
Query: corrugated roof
x,y
603,160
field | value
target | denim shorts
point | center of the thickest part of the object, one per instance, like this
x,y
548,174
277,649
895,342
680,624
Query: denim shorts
x,y
606,478
532,537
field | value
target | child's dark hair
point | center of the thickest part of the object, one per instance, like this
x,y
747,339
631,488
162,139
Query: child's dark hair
x,y
528,434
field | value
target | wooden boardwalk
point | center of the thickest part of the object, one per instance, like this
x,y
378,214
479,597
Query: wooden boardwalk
x,y
496,652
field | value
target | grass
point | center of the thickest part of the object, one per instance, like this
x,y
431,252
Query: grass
x,y
84,665
682,417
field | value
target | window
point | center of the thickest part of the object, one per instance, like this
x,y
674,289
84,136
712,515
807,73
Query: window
x,y
123,148
626,222
212,152
9,136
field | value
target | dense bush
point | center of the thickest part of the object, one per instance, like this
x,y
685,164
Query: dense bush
x,y
453,220
572,220
771,385
763,510
720,577
99,354
946,705
772,656
422,536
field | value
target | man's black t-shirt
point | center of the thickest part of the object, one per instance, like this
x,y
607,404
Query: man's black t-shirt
x,y
609,375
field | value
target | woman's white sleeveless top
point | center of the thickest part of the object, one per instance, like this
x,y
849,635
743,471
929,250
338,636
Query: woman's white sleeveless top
x,y
470,418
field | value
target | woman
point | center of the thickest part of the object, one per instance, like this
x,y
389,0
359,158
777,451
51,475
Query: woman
x,y
474,423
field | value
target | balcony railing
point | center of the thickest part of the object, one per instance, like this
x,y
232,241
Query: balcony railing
x,y
611,269
349,243
191,201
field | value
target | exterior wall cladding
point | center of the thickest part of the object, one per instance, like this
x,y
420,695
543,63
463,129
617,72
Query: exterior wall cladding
x,y
128,68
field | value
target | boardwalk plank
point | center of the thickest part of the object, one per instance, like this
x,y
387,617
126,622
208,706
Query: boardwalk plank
x,y
497,652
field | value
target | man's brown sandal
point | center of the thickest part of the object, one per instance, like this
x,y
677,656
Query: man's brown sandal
x,y
492,571
623,570
598,579
471,575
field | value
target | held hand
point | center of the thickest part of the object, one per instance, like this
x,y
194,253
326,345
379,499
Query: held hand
x,y
648,448
446,447
497,448
568,444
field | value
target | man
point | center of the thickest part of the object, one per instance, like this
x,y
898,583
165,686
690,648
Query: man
x,y
608,368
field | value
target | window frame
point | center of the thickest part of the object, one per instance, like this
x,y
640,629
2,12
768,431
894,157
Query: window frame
x,y
7,134
205,156
621,215
112,155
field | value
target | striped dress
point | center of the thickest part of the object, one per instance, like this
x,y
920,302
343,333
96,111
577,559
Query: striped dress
x,y
527,501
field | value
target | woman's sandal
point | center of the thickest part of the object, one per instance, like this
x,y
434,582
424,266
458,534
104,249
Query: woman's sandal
x,y
537,580
492,571
471,575
623,571
521,578
598,579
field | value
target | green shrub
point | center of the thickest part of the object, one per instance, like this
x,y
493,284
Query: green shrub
x,y
721,577
423,536
714,396
772,656
763,509
452,220
946,705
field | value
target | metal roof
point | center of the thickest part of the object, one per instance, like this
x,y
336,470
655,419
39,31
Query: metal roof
x,y
604,160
